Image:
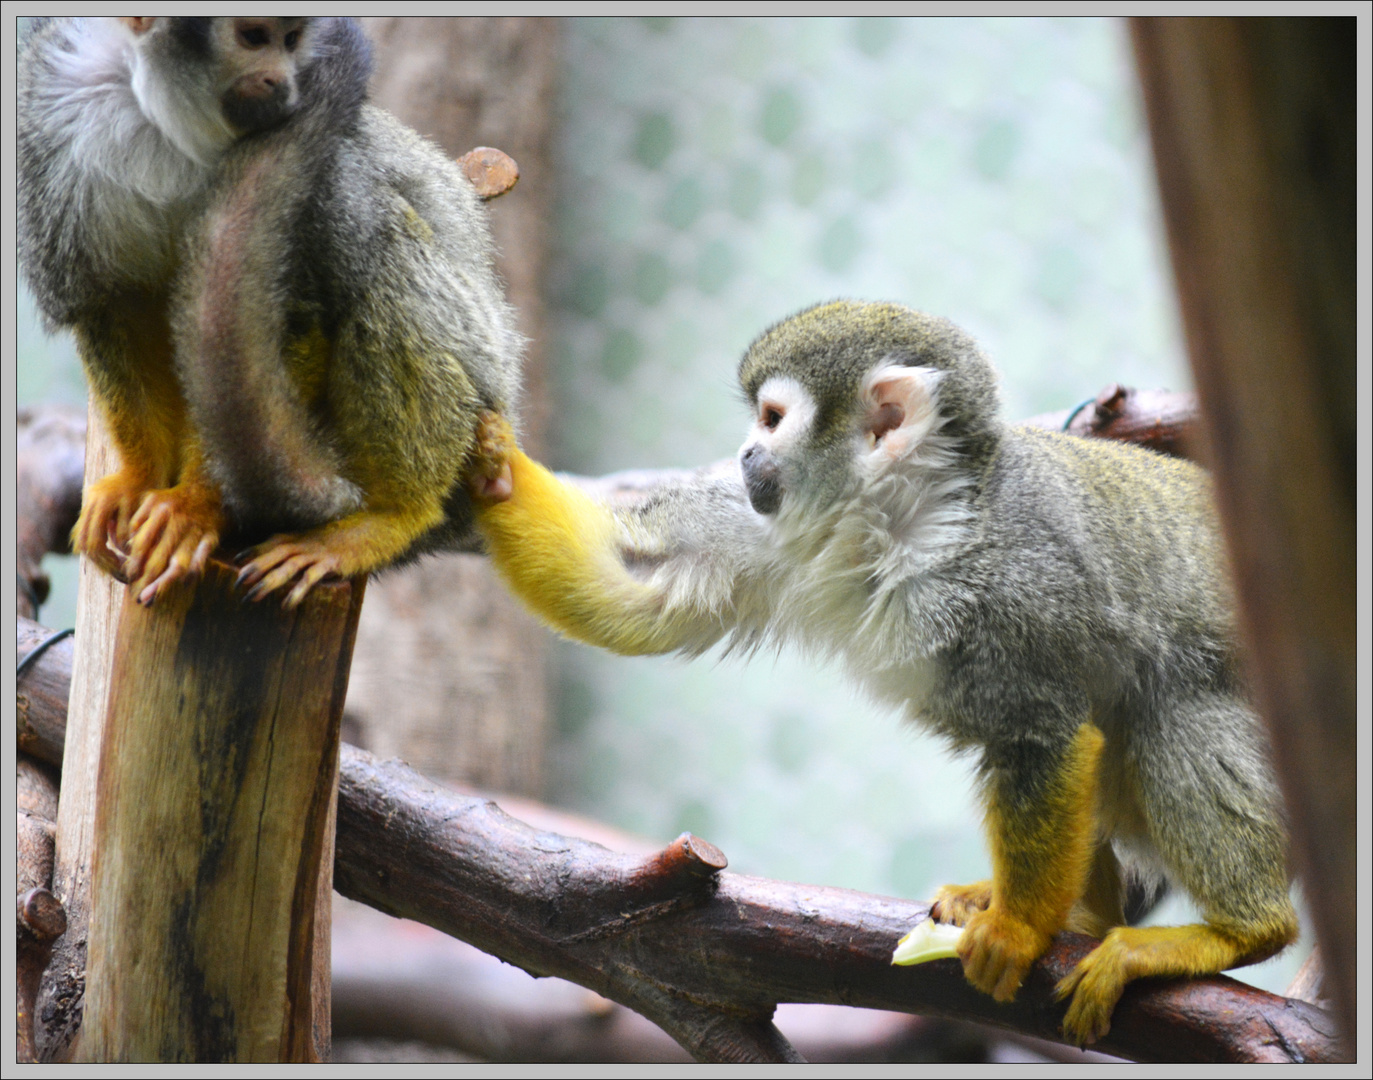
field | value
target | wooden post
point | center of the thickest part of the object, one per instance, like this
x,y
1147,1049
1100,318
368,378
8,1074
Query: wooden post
x,y
213,827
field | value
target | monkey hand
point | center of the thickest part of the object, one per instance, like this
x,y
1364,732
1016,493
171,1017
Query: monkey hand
x,y
997,949
489,478
103,525
174,531
955,903
304,559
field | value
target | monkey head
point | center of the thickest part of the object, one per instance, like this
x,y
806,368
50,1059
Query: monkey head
x,y
206,82
845,395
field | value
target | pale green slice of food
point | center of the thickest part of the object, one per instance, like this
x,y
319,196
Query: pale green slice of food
x,y
928,941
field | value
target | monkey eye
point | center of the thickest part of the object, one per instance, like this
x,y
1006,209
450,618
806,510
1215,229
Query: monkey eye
x,y
253,37
292,40
772,416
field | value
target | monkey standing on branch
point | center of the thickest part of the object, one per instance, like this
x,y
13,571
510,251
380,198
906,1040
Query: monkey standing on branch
x,y
284,300
1057,605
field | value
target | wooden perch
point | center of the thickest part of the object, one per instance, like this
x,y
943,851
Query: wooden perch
x,y
706,954
213,822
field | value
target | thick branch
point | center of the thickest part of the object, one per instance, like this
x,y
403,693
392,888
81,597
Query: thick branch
x,y
678,949
707,955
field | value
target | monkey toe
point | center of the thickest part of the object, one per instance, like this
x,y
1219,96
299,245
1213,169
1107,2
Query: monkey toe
x,y
997,950
491,479
102,528
174,532
956,903
282,562
1095,986
184,561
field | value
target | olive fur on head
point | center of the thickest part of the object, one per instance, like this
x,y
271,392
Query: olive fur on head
x,y
832,346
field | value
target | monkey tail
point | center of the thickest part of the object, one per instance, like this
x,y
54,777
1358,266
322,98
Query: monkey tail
x,y
276,469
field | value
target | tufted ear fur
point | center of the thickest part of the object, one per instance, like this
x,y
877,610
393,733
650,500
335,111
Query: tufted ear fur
x,y
901,409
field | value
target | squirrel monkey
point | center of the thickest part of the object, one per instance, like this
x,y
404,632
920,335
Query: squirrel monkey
x,y
1058,605
284,300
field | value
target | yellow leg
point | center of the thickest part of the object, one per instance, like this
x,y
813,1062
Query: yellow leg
x,y
1130,952
1042,832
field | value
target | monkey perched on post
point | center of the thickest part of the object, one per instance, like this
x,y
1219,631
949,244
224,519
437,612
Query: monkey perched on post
x,y
1057,605
284,300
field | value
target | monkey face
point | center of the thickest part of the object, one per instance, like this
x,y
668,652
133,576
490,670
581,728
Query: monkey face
x,y
261,59
784,417
886,427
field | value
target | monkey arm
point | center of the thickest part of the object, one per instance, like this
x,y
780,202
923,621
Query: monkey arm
x,y
668,575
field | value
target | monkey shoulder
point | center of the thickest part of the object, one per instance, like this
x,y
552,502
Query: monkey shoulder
x,y
102,194
1102,508
1093,565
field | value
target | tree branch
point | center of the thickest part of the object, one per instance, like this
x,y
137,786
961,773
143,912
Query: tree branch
x,y
707,954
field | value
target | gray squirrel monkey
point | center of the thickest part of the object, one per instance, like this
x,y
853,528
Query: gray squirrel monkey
x,y
285,301
1057,606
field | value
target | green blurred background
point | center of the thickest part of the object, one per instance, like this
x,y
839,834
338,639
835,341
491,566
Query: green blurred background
x,y
717,175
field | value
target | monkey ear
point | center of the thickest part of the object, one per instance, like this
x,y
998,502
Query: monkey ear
x,y
900,409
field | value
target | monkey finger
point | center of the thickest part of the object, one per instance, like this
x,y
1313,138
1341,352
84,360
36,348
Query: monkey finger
x,y
284,574
264,557
152,539
312,576
202,552
495,488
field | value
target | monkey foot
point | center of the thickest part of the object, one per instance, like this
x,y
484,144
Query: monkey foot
x,y
956,903
490,478
102,528
997,950
303,559
1095,986
174,532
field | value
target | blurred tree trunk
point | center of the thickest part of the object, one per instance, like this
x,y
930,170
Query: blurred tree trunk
x,y
444,635
1255,140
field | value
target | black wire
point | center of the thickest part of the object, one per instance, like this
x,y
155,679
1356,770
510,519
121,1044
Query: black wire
x,y
38,650
26,587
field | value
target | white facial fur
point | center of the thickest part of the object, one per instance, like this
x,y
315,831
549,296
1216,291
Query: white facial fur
x,y
784,416
899,513
193,122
